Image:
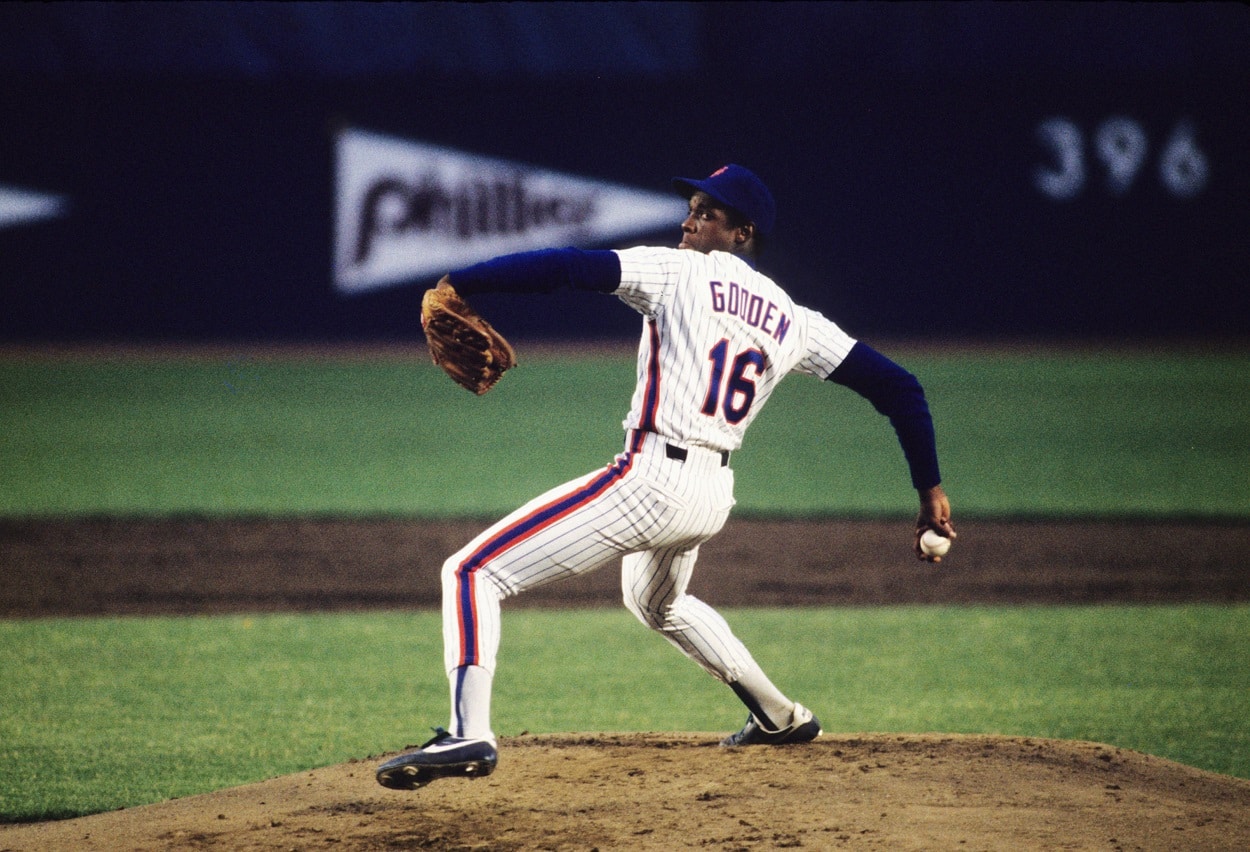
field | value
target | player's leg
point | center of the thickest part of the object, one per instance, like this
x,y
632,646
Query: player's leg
x,y
570,530
654,587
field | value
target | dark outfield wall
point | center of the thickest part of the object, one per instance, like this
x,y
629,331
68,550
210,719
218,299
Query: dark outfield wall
x,y
993,171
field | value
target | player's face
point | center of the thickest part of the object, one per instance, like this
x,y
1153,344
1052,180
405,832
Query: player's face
x,y
708,227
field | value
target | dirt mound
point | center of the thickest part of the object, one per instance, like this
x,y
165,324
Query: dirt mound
x,y
667,791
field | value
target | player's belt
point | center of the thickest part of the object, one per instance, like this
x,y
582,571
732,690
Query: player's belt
x,y
633,437
681,454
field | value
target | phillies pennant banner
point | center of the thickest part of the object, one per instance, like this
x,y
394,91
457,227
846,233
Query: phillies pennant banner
x,y
406,210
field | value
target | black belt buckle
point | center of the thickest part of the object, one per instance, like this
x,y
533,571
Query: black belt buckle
x,y
681,454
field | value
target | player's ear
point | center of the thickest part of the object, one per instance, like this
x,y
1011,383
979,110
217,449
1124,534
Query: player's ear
x,y
744,234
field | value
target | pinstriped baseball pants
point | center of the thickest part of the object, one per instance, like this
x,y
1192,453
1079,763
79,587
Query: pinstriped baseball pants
x,y
647,509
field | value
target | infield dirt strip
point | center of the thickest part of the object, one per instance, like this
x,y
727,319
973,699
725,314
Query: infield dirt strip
x,y
660,791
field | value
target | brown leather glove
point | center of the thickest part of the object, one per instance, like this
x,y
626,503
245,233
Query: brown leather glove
x,y
462,342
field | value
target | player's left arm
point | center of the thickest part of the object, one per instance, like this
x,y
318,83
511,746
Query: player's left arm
x,y
897,394
541,271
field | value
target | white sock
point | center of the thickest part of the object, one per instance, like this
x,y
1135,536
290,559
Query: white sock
x,y
765,701
470,703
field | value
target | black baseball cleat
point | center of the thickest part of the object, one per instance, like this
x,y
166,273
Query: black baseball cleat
x,y
444,756
803,728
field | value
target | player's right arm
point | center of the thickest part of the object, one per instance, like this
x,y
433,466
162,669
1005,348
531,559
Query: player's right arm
x,y
897,394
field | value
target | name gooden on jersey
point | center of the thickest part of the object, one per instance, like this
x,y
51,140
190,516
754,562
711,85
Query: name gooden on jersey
x,y
738,301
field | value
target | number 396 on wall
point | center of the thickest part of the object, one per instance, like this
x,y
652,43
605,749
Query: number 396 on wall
x,y
1120,149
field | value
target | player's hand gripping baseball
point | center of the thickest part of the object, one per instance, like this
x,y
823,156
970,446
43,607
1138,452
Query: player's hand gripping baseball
x,y
935,514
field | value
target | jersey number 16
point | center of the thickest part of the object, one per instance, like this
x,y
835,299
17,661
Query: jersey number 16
x,y
735,394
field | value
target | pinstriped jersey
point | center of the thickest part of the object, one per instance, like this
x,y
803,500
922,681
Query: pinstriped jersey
x,y
717,339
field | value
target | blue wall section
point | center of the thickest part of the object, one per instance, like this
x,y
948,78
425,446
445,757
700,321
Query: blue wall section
x,y
194,144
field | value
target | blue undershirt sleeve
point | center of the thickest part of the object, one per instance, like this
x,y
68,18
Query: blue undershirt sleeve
x,y
898,395
542,271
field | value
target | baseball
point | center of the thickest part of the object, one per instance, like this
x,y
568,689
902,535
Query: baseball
x,y
934,544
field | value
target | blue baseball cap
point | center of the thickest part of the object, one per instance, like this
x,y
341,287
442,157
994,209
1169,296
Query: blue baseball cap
x,y
736,187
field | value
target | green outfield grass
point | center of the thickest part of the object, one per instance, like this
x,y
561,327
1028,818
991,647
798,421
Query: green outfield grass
x,y
1110,433
104,713
101,713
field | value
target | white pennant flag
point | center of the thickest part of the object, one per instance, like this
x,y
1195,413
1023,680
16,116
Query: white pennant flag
x,y
406,210
19,206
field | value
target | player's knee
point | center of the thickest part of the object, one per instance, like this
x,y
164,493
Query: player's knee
x,y
635,606
632,606
452,576
655,617
456,573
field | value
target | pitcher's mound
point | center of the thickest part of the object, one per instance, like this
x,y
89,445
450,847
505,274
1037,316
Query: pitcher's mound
x,y
681,791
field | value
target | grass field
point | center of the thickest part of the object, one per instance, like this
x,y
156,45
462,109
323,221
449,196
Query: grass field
x,y
103,713
100,713
1121,433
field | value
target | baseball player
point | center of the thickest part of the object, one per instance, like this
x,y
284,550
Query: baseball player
x,y
717,337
